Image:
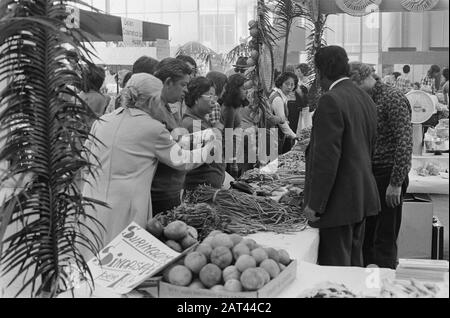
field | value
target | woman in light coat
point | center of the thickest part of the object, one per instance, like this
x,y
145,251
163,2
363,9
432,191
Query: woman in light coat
x,y
130,145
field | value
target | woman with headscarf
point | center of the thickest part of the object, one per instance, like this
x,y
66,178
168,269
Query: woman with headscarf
x,y
127,145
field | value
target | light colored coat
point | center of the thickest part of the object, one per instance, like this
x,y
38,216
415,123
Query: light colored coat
x,y
133,144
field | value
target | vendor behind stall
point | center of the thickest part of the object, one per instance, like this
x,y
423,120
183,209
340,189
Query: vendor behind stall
x,y
200,99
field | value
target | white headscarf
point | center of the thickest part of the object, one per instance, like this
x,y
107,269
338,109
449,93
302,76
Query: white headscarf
x,y
140,88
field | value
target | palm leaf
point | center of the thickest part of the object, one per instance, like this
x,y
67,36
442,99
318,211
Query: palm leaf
x,y
286,12
197,51
46,125
242,49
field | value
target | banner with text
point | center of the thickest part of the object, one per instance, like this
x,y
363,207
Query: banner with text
x,y
131,258
132,31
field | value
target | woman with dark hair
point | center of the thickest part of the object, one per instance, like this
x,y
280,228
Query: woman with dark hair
x,y
145,64
91,93
234,98
200,99
285,84
428,83
220,81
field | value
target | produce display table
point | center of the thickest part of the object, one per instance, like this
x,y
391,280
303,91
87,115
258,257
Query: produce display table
x,y
302,246
359,280
441,161
431,184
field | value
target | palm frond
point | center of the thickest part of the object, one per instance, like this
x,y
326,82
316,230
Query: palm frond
x,y
198,51
46,124
243,49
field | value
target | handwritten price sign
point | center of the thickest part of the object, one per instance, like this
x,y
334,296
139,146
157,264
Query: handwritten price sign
x,y
131,258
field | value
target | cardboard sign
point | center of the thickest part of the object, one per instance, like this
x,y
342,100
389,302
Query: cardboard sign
x,y
131,258
132,32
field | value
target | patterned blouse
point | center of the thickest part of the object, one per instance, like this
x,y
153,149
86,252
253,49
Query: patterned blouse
x,y
394,143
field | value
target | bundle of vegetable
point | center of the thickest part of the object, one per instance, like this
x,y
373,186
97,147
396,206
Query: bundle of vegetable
x,y
255,175
250,214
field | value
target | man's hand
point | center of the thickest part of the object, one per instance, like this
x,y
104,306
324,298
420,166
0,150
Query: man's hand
x,y
310,214
393,196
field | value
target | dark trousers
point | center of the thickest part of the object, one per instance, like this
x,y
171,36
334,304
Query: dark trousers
x,y
342,246
162,206
380,243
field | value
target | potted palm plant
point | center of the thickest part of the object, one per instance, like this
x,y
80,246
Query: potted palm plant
x,y
44,124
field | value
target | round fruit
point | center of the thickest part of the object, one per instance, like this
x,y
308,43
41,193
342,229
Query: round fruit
x,y
252,280
217,288
255,54
155,228
222,240
231,272
244,262
214,233
175,230
221,256
195,261
210,275
197,284
251,62
192,232
239,250
208,240
285,259
237,239
271,267
273,254
259,254
264,274
174,245
188,241
180,276
205,249
254,32
250,243
233,285
251,23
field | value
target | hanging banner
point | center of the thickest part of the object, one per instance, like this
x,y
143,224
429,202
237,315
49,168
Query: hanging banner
x,y
131,258
358,8
419,5
73,19
132,32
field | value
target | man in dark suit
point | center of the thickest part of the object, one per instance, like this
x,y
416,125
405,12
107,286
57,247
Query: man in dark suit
x,y
340,189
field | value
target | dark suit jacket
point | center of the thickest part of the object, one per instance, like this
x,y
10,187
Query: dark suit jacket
x,y
340,185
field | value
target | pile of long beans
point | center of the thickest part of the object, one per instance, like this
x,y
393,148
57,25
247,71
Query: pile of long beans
x,y
248,214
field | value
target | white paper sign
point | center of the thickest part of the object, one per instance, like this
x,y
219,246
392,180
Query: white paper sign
x,y
131,258
132,31
73,19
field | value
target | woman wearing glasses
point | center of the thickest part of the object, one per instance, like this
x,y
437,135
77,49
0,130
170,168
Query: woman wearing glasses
x,y
200,99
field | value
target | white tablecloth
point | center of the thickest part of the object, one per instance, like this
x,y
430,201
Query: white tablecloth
x,y
430,185
361,281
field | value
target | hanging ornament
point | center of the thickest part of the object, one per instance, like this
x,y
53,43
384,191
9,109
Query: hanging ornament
x,y
419,5
358,8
